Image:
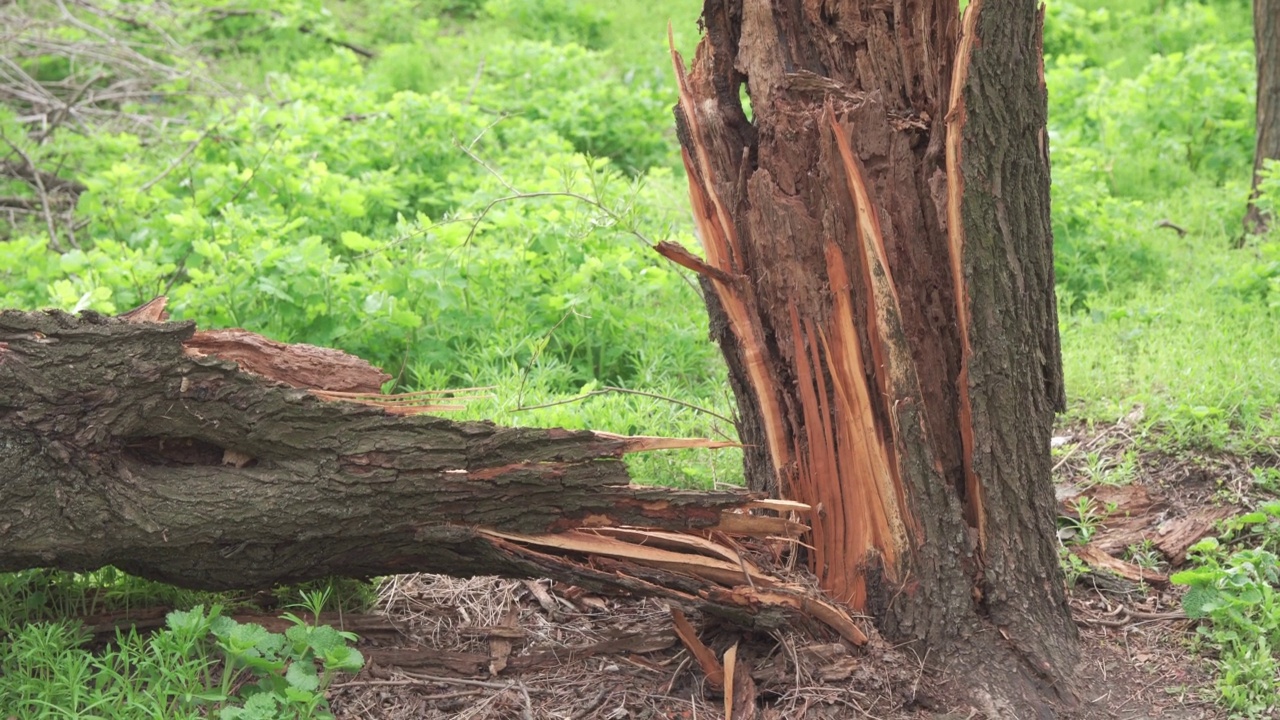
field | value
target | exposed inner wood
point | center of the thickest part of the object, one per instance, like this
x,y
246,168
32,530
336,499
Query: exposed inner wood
x,y
975,515
705,657
724,254
838,451
867,486
302,366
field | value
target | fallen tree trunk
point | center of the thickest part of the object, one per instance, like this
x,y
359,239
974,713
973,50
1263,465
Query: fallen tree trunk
x,y
222,460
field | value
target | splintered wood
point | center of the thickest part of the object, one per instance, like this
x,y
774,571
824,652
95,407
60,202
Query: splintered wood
x,y
724,576
974,512
855,413
724,258
302,366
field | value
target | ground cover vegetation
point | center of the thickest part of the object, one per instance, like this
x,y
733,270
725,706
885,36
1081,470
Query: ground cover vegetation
x,y
465,193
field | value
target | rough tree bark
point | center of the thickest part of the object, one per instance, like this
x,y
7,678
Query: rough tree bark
x,y
223,460
1266,42
879,275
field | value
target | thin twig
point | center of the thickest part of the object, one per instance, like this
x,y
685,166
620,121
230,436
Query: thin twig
x,y
181,265
462,681
546,340
484,131
479,217
528,703
1132,617
1182,232
517,194
254,172
684,663
173,164
68,106
475,83
44,194
611,389
585,711
360,50
406,682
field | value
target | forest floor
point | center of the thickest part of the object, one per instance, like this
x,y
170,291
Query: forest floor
x,y
491,648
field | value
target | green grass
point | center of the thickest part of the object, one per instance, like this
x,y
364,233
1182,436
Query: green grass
x,y
1201,359
638,33
200,664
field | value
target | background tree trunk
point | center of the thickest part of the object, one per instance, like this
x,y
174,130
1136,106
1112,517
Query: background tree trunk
x,y
879,276
1266,42
139,445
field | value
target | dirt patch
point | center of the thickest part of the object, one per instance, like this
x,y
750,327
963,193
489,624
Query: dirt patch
x,y
1136,666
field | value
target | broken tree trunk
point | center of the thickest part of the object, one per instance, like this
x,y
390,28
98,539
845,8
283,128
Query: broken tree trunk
x,y
879,275
223,460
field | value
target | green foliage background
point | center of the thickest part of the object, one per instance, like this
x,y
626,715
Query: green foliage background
x,y
373,204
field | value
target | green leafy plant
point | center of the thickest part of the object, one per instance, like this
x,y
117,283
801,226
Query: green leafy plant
x,y
291,670
1072,566
1266,479
1236,593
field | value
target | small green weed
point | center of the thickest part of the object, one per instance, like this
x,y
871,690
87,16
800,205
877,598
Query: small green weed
x,y
1266,479
1087,519
1072,566
292,670
1145,555
1103,469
